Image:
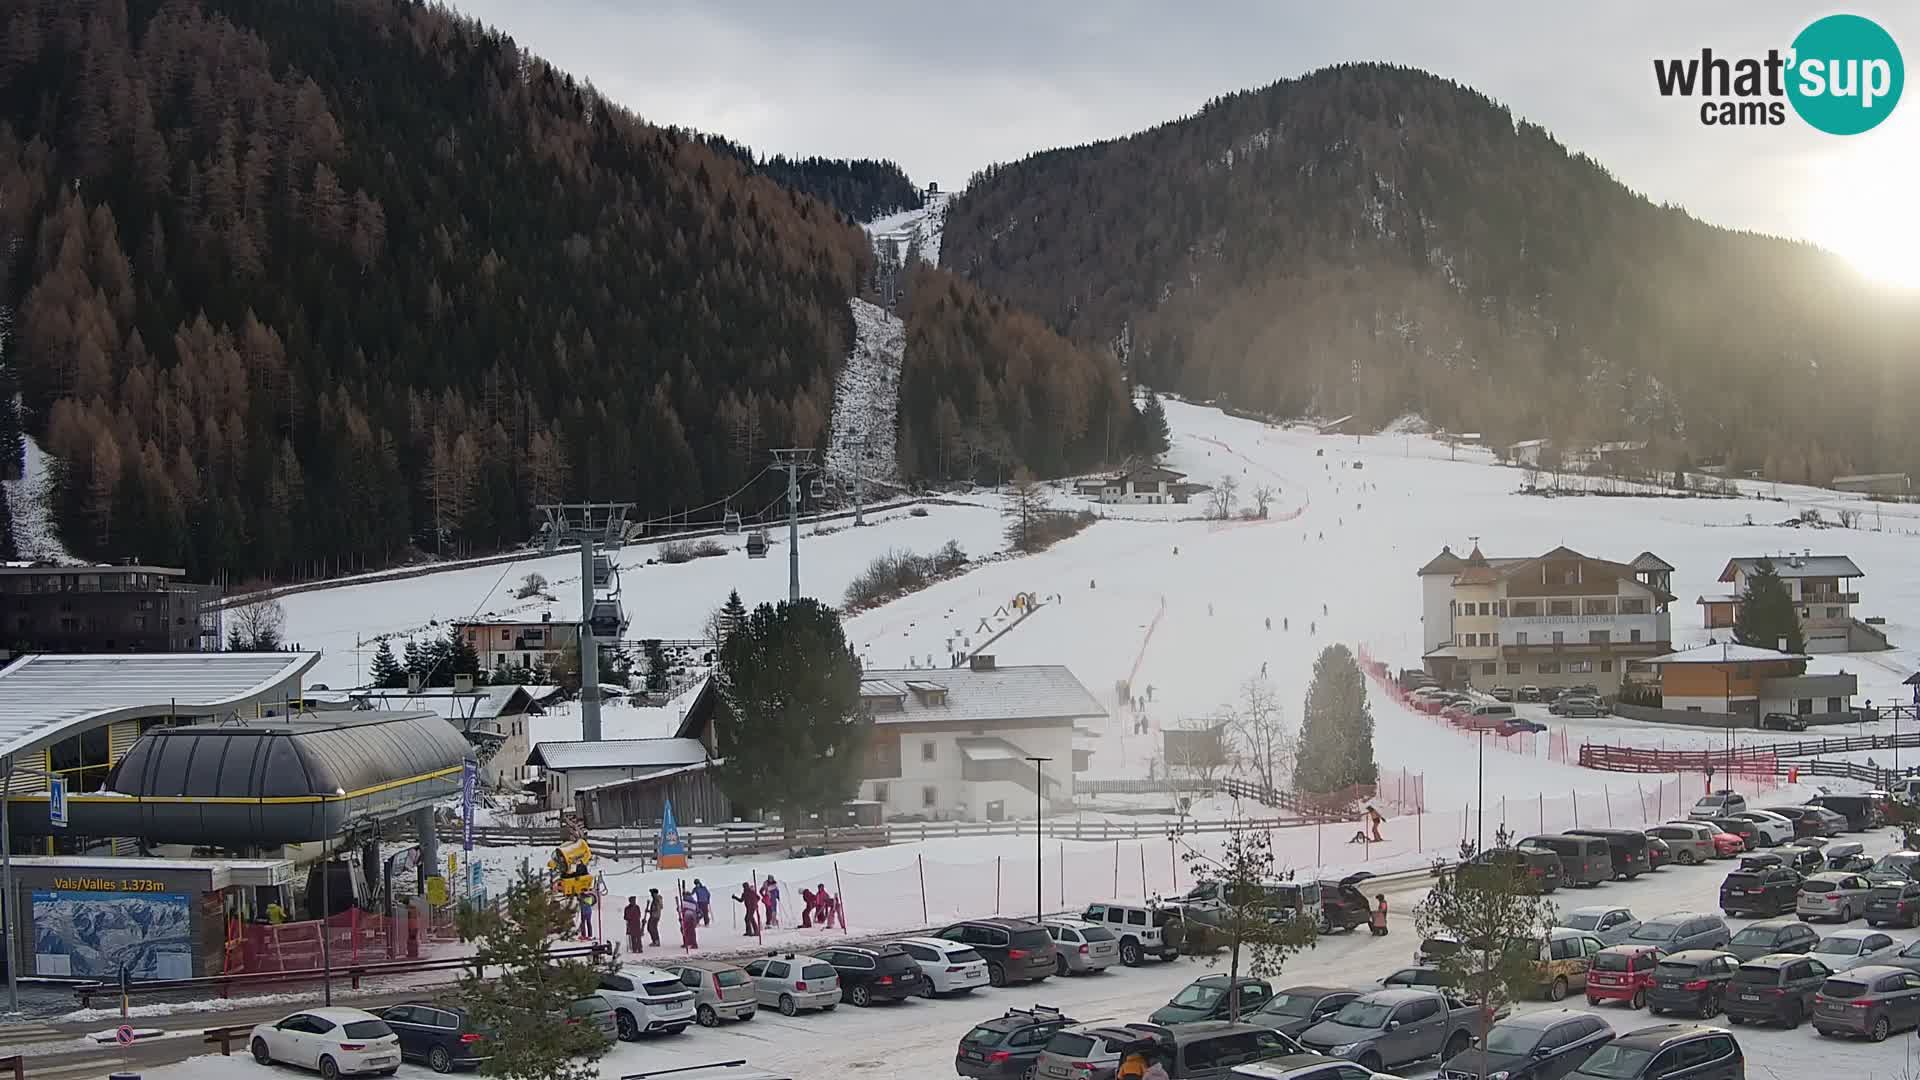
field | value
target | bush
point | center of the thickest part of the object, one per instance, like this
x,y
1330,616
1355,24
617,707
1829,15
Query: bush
x,y
1054,526
898,573
530,586
675,552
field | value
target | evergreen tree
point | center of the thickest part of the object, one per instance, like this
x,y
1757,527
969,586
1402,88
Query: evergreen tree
x,y
7,548
461,657
414,661
386,672
1336,728
1154,436
1767,615
520,1005
1240,914
733,615
790,733
656,665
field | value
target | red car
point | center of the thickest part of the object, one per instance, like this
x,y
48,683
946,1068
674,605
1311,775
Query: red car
x,y
1622,973
1726,845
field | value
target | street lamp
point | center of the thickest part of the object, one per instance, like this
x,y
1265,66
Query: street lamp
x,y
326,907
1480,798
1039,860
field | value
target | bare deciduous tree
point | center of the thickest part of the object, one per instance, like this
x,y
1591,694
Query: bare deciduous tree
x,y
1261,740
256,627
1263,496
1224,493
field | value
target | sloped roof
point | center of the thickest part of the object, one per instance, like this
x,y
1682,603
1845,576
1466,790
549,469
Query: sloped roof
x,y
485,703
290,757
48,697
1444,563
617,754
1151,473
1796,566
1722,654
1647,560
1038,692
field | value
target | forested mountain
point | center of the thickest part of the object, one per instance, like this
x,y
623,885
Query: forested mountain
x,y
1374,240
862,189
300,284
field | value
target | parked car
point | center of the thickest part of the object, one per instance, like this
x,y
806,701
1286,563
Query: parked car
x,y
1775,989
1802,857
1894,903
1844,950
1081,947
1908,957
1432,950
1726,845
1690,842
1676,1051
1833,894
1622,973
1342,905
1527,693
1208,998
1759,891
647,1000
1863,812
1749,833
1628,848
1294,1009
1015,950
596,1012
1874,1000
1680,931
444,1037
867,975
1502,693
1579,706
1304,1067
1773,936
1719,804
1543,867
1771,828
1783,721
1658,853
1832,822
721,990
334,1042
1610,924
1849,855
950,967
1519,725
1394,1027
1085,1051
1419,977
1693,980
1896,864
791,982
1143,931
1584,860
1210,1049
1486,716
1564,958
1008,1047
1538,1046
1805,821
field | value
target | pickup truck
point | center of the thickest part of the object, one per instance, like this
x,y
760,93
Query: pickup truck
x,y
1389,1028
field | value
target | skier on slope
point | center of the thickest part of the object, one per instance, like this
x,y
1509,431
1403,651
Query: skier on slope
x,y
1269,622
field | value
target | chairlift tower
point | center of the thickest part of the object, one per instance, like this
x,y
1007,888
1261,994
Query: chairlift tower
x,y
796,461
590,525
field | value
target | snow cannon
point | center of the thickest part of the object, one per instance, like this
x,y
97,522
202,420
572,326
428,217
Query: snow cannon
x,y
572,867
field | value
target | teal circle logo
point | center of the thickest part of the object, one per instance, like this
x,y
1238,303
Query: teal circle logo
x,y
1847,74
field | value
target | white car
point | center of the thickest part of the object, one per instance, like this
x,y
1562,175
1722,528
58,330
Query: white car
x,y
1721,803
950,967
333,1042
647,1000
1844,950
794,981
1771,828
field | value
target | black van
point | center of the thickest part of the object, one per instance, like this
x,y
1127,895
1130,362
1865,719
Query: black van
x,y
1861,811
1584,860
1628,848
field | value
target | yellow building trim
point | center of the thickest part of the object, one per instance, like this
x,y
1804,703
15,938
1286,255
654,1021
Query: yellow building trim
x,y
241,800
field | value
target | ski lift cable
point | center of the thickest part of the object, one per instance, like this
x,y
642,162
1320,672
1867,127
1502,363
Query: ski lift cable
x,y
680,516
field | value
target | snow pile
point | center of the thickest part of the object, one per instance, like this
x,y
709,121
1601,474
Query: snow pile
x,y
866,398
34,535
914,229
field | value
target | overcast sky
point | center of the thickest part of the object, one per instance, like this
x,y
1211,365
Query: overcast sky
x,y
947,89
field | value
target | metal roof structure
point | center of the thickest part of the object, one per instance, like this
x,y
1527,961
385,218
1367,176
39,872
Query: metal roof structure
x,y
1796,566
1723,654
49,697
617,754
483,703
1038,692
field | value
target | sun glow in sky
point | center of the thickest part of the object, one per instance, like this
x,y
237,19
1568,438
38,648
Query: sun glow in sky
x,y
1863,208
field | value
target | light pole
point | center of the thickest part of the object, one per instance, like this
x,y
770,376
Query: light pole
x,y
1039,860
1480,797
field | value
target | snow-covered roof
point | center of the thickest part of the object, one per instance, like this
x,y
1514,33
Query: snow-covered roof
x,y
48,697
1038,692
484,703
617,754
1723,654
1795,566
645,774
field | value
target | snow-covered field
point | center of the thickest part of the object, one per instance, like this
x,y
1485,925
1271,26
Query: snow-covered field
x,y
908,228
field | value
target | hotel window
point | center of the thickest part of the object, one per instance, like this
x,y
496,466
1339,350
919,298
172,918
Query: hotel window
x,y
1579,667
926,750
1496,639
1598,637
1513,669
1633,635
1559,607
1500,608
1633,606
1833,705
1599,605
1606,666
1834,612
1549,667
1559,637
1489,669
1486,608
929,796
1524,608
1520,637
